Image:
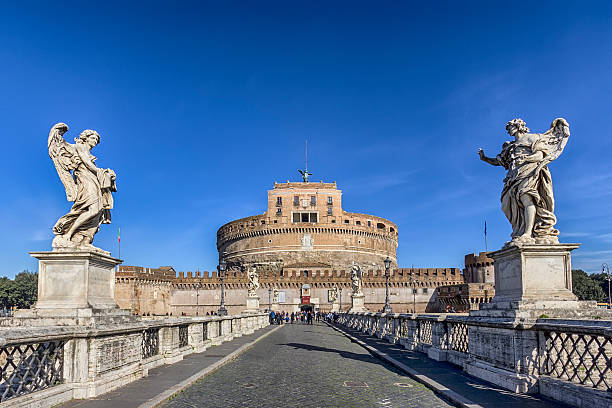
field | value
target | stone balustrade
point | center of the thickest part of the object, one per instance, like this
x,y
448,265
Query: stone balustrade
x,y
44,366
566,360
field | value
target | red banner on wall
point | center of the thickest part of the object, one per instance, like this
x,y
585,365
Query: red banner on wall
x,y
305,300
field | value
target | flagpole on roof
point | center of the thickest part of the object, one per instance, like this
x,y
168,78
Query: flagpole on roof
x,y
485,237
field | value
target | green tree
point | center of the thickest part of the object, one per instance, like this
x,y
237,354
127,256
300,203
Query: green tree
x,y
602,281
25,289
585,287
6,292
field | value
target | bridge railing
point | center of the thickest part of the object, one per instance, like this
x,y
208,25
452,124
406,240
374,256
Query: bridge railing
x,y
44,366
568,360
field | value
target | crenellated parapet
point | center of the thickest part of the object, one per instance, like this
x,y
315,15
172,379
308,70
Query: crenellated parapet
x,y
162,274
416,277
479,268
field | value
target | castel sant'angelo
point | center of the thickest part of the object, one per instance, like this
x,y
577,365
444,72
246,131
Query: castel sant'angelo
x,y
306,228
303,247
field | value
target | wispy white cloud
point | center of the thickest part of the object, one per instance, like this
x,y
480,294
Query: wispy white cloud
x,y
593,186
378,182
41,235
576,234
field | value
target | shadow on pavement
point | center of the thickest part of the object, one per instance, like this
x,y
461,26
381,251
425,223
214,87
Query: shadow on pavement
x,y
368,358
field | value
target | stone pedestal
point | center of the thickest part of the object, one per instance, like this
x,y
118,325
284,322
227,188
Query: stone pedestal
x,y
252,304
532,280
75,287
358,303
275,307
335,307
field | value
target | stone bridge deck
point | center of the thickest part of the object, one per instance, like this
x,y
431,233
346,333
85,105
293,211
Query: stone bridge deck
x,y
309,366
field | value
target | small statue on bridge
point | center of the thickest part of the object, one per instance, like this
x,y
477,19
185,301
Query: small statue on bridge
x,y
527,197
356,279
253,276
275,296
333,295
88,186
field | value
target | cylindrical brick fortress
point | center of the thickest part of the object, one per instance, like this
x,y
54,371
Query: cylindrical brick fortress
x,y
305,225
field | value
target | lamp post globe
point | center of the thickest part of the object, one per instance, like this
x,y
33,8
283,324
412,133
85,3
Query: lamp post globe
x,y
387,308
222,267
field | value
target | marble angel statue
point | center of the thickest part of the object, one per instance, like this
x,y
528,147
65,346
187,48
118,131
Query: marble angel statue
x,y
356,279
88,186
253,281
275,296
332,295
527,197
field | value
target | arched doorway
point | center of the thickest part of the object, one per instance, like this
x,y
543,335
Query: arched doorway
x,y
307,308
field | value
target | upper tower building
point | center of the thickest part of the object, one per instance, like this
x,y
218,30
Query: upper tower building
x,y
305,227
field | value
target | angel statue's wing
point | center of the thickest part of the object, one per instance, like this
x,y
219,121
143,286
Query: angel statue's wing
x,y
64,158
553,141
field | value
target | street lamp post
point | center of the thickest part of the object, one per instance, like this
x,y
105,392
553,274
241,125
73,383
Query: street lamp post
x,y
198,297
222,266
270,298
606,269
340,292
387,308
413,282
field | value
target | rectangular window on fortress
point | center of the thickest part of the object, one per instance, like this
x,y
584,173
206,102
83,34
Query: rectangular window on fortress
x,y
358,222
329,211
330,201
306,217
279,200
296,200
313,200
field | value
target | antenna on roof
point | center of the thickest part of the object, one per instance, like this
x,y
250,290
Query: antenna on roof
x,y
305,172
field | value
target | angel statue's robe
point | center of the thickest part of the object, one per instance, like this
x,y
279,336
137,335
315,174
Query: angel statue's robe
x,y
530,178
94,194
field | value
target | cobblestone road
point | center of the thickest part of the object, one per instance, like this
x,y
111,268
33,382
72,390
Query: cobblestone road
x,y
306,366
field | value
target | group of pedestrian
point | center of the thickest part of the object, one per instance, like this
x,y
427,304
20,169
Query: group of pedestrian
x,y
278,317
331,317
303,317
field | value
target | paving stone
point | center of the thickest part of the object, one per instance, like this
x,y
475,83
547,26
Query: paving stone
x,y
452,377
306,366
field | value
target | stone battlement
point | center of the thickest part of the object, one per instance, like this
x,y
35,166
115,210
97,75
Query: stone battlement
x,y
423,276
480,260
163,273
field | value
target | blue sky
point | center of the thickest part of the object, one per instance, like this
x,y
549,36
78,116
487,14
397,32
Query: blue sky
x,y
203,105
